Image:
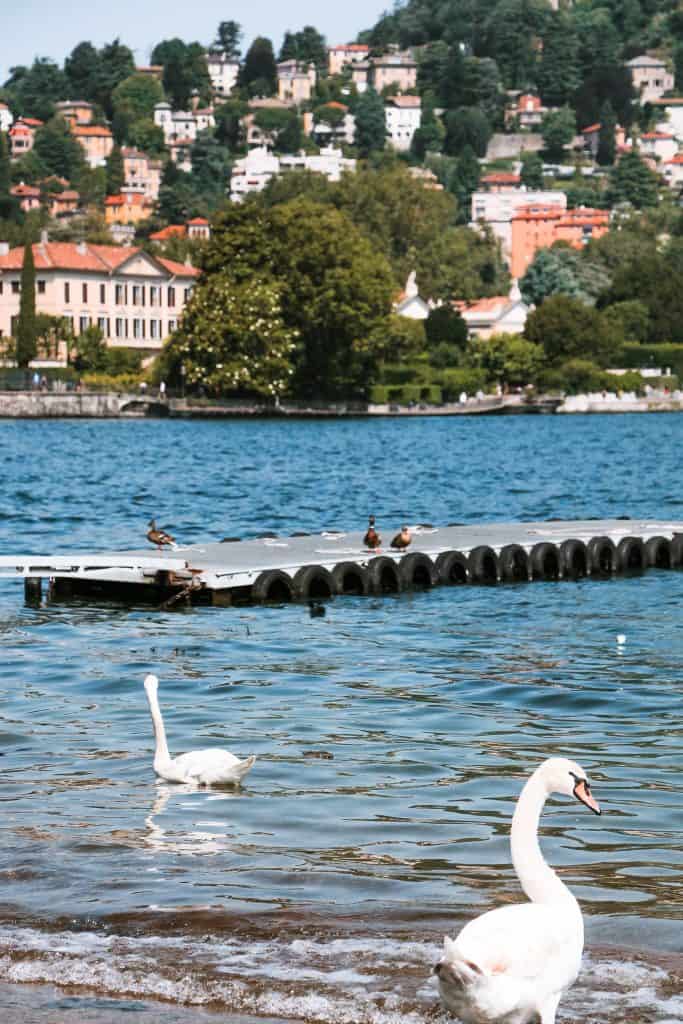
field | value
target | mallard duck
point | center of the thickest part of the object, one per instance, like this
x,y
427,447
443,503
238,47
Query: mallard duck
x,y
372,539
159,537
402,540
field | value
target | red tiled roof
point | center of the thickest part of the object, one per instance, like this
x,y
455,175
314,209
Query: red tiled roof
x,y
482,305
656,135
20,129
198,220
68,194
114,201
583,215
33,122
94,130
336,106
25,190
351,47
408,102
501,178
172,231
678,159
673,101
179,269
591,128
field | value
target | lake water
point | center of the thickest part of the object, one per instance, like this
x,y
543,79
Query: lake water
x,y
392,736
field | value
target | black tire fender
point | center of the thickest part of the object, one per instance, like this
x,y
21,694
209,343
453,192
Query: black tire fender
x,y
602,556
544,559
351,578
274,586
313,581
658,554
417,570
573,559
383,575
483,564
631,555
514,564
452,568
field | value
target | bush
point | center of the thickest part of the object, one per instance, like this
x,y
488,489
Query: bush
x,y
379,394
454,382
405,373
579,376
111,382
634,356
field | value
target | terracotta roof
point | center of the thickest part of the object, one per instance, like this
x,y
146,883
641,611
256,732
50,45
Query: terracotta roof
x,y
69,194
656,135
678,159
179,269
489,305
34,122
198,220
538,211
114,201
351,47
501,178
583,215
94,258
94,130
20,129
172,231
590,129
335,105
407,102
673,101
25,190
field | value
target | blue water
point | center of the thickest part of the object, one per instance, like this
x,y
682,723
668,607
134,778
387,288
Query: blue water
x,y
392,736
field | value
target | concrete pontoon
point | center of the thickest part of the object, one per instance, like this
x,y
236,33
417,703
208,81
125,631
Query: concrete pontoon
x,y
305,566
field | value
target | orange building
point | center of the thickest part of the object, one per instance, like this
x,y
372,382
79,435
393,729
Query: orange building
x,y
539,226
96,140
128,207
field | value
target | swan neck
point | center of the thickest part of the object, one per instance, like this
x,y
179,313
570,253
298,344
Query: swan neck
x,y
536,877
161,753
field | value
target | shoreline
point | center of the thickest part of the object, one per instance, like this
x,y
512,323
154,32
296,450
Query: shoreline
x,y
117,405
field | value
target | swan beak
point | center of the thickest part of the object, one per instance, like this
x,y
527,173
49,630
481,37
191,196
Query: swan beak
x,y
582,792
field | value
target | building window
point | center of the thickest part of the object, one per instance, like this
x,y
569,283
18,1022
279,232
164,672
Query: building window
x,y
83,323
103,294
118,327
104,325
16,287
171,326
85,292
1,287
41,287
153,295
136,328
152,328
138,295
187,293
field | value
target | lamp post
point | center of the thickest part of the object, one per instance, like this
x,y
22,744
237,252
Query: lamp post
x,y
182,380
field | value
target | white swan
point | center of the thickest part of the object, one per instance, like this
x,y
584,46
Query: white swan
x,y
203,767
512,965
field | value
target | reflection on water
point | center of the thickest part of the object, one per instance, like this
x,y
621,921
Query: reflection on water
x,y
392,736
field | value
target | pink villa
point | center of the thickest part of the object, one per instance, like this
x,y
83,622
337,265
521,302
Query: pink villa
x,y
136,299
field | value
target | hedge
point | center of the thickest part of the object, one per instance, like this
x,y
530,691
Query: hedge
x,y
634,356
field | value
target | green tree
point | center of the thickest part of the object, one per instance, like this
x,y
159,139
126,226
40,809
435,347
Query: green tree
x,y
115,172
607,144
450,85
307,46
558,129
465,180
508,359
233,338
283,127
185,70
26,324
531,174
289,49
134,99
561,270
482,87
398,339
371,131
89,351
567,329
259,68
650,278
630,317
445,325
228,117
678,64
61,154
432,62
81,68
147,136
467,126
211,166
114,63
632,181
559,73
429,137
513,31
607,82
5,175
228,36
35,90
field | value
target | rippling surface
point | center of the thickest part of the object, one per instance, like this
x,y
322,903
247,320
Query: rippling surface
x,y
392,735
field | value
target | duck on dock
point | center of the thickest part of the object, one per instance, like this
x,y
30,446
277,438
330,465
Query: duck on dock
x,y
159,537
402,540
372,539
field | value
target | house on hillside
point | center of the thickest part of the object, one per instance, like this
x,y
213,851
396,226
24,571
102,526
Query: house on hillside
x,y
340,57
141,172
128,207
496,208
295,81
97,142
670,115
409,302
198,228
6,118
539,225
223,72
650,77
500,314
22,136
403,115
28,196
134,298
75,112
661,146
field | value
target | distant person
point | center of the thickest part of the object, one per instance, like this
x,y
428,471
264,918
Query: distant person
x,y
463,398
36,380
143,387
162,389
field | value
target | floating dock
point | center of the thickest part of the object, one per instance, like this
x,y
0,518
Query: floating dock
x,y
274,569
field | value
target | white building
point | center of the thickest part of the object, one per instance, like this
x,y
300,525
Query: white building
x,y
497,208
650,77
134,298
499,314
295,81
339,57
6,118
182,125
673,171
670,113
661,146
253,172
403,115
223,72
410,303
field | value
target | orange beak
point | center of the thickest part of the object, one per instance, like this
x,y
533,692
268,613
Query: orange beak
x,y
582,792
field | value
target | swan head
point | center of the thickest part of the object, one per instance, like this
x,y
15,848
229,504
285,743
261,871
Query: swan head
x,y
560,775
151,684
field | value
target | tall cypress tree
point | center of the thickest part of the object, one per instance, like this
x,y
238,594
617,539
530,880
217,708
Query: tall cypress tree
x,y
607,144
26,326
5,177
115,171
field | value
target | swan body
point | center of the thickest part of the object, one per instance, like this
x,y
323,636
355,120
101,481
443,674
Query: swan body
x,y
208,767
512,965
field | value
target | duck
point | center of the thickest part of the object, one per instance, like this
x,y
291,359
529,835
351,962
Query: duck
x,y
513,964
159,537
372,539
402,540
316,609
212,767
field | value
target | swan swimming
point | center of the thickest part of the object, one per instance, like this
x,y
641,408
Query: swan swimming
x,y
512,965
203,767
